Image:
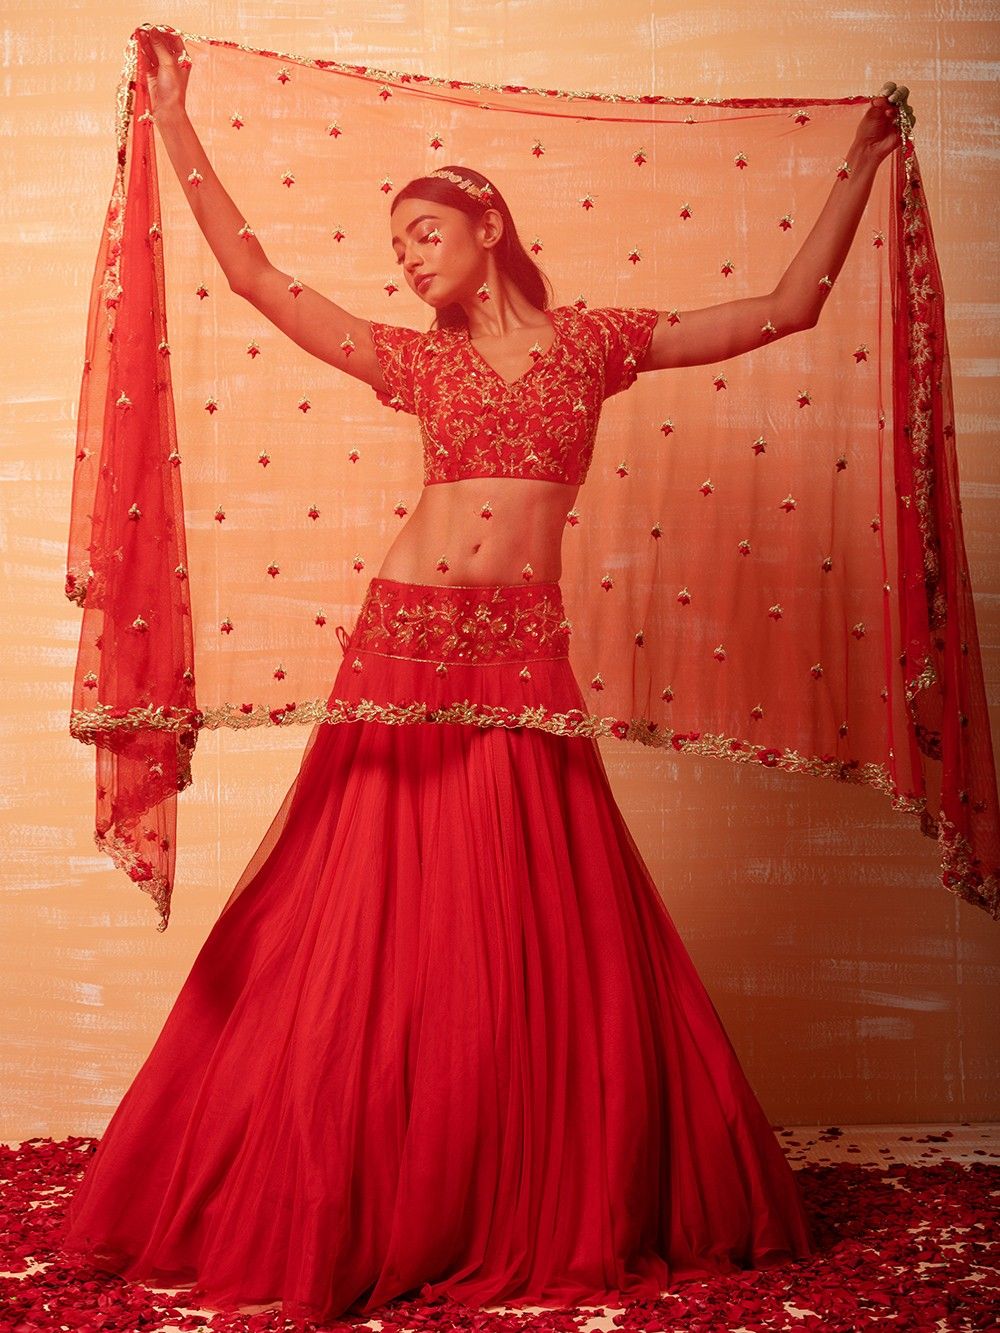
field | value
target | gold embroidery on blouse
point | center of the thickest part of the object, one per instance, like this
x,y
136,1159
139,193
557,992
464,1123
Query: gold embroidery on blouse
x,y
540,426
396,371
486,426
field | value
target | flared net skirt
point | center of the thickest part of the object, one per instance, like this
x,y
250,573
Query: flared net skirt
x,y
444,1037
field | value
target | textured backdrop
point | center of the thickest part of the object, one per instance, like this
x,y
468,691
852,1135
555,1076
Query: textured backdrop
x,y
854,988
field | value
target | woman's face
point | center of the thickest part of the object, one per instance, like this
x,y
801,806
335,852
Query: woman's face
x,y
441,253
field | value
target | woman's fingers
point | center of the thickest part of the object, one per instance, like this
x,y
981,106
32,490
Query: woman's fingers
x,y
164,41
897,95
164,45
901,98
168,63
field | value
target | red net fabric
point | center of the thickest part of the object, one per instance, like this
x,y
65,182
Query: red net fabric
x,y
765,561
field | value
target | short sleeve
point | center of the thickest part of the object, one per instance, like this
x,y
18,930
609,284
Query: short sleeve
x,y
625,333
396,352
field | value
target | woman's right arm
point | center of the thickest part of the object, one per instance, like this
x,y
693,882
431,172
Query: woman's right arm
x,y
310,319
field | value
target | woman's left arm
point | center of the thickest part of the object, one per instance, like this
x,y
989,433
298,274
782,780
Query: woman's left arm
x,y
803,287
731,328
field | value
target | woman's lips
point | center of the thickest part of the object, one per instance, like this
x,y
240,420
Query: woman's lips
x,y
422,282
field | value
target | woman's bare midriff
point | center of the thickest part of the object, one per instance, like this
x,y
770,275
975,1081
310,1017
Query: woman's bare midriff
x,y
526,526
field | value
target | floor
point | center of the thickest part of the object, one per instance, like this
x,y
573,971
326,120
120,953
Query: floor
x,y
871,1145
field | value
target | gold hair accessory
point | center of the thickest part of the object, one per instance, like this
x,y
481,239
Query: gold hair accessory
x,y
482,192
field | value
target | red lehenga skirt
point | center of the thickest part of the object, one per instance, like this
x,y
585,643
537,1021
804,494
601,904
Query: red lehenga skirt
x,y
444,1038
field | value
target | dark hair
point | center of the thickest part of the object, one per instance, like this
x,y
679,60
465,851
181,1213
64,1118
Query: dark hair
x,y
512,258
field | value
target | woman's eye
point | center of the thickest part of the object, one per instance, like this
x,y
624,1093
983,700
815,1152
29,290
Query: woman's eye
x,y
423,241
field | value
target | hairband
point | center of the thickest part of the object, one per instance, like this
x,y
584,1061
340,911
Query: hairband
x,y
481,192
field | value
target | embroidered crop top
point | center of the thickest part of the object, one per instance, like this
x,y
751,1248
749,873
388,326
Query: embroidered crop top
x,y
474,423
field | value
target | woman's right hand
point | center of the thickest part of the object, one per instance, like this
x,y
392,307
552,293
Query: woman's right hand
x,y
167,79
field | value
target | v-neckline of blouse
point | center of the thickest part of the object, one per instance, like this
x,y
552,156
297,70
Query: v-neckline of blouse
x,y
510,384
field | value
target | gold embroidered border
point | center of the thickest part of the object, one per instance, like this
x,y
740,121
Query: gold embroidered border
x,y
89,726
957,875
922,362
925,364
124,105
550,94
139,871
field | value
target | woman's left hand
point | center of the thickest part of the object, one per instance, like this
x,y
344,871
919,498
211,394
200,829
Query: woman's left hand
x,y
878,133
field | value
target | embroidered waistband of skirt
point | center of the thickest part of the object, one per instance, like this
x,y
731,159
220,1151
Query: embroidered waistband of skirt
x,y
478,625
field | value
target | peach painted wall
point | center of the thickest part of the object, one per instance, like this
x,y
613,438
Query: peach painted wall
x,y
854,988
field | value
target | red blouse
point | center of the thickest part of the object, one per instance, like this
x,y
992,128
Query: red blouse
x,y
474,423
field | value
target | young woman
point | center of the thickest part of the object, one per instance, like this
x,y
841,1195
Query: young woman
x,y
444,1036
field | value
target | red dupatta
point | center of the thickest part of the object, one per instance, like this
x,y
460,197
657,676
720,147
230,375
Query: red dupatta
x,y
765,564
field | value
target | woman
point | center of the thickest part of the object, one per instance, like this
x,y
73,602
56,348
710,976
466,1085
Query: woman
x,y
444,1035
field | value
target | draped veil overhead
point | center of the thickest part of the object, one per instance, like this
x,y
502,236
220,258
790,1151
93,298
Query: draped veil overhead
x,y
765,562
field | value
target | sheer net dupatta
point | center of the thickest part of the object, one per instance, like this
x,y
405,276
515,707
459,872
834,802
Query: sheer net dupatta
x,y
133,692
765,563
947,716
